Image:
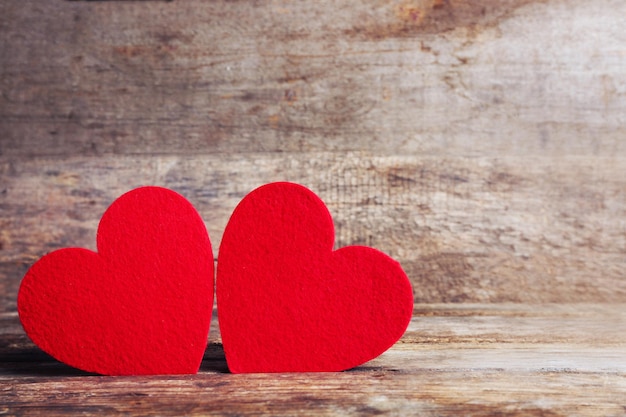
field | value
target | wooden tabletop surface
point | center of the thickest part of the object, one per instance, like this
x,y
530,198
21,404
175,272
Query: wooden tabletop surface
x,y
461,359
479,143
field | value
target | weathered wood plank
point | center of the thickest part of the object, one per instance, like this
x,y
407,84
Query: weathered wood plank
x,y
479,360
475,393
427,77
466,229
509,187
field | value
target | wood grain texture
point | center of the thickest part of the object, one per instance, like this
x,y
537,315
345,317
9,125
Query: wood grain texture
x,y
486,78
515,229
478,142
464,359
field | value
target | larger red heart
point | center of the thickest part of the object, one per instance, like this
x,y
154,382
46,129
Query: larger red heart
x,y
141,305
288,303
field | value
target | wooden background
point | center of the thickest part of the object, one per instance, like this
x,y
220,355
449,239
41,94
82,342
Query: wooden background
x,y
481,143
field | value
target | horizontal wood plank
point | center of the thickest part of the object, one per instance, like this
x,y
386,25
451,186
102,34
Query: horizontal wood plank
x,y
466,359
515,229
423,77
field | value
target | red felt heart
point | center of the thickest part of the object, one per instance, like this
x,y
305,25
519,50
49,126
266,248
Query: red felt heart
x,y
141,305
288,303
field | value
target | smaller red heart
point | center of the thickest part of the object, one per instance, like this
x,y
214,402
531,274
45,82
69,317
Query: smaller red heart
x,y
141,305
288,303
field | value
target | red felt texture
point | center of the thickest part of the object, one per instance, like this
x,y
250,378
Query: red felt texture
x,y
140,305
288,303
